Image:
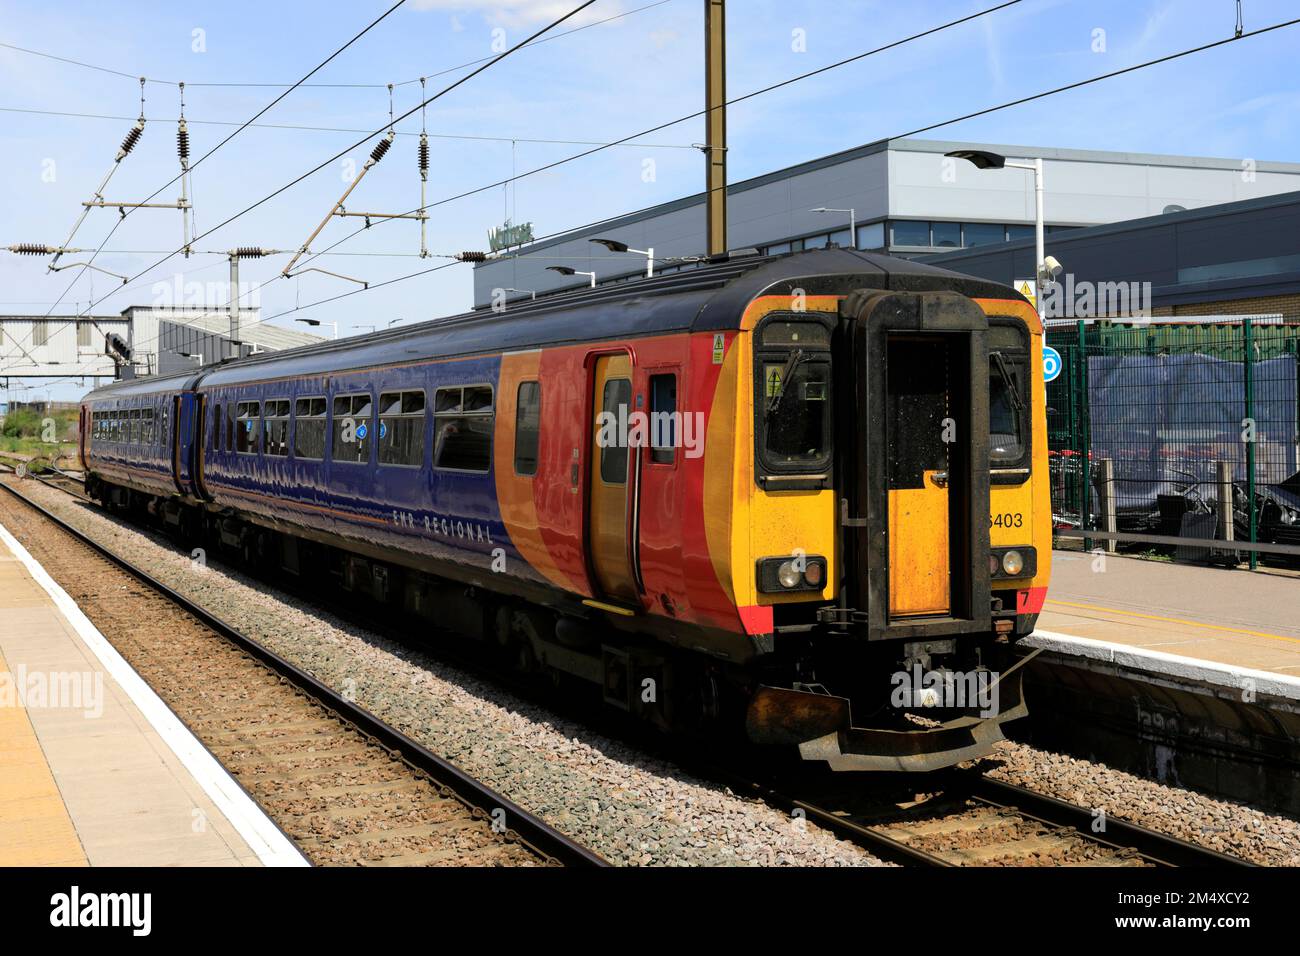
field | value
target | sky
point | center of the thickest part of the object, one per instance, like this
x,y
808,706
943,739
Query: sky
x,y
633,65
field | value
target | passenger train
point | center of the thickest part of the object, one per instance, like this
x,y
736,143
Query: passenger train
x,y
802,497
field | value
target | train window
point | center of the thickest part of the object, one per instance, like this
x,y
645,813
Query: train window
x,y
246,429
162,425
352,426
230,426
1008,394
401,428
217,424
462,422
309,428
663,418
613,455
275,427
146,426
528,426
134,437
792,396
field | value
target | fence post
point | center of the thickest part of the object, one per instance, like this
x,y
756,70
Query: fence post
x,y
1106,502
1224,475
1248,362
1085,443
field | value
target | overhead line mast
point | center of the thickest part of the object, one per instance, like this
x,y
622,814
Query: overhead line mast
x,y
715,144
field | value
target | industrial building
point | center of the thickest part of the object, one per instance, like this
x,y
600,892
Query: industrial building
x,y
158,341
905,196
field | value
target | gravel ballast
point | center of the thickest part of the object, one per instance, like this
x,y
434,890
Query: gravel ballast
x,y
631,808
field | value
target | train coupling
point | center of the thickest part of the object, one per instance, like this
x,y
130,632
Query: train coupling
x,y
821,726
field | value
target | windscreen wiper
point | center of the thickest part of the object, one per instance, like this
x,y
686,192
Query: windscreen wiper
x,y
1016,402
790,365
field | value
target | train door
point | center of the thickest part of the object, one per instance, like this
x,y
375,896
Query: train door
x,y
199,445
918,413
83,425
612,481
915,483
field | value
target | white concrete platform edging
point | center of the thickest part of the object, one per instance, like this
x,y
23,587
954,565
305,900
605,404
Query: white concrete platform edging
x,y
261,834
1172,666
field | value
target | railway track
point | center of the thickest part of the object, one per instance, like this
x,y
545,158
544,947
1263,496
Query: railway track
x,y
978,821
346,787
975,821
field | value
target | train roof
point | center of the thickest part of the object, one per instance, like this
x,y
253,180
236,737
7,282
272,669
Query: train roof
x,y
712,297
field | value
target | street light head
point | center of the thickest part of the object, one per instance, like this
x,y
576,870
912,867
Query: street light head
x,y
819,209
979,158
562,270
613,245
308,321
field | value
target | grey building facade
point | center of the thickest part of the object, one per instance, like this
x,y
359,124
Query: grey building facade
x,y
908,198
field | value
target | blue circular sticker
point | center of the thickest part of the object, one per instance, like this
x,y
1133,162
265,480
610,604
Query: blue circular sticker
x,y
1051,363
383,430
361,431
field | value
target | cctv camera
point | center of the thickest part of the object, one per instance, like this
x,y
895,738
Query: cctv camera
x,y
1051,267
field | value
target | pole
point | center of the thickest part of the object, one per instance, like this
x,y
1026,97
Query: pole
x,y
1040,251
715,144
234,305
1085,443
1248,348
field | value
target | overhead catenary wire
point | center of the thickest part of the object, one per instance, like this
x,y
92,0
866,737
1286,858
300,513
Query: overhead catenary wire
x,y
327,162
1005,105
236,294
373,23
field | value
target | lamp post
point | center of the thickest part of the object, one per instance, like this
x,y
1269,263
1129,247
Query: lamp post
x,y
613,245
317,322
853,222
983,159
570,271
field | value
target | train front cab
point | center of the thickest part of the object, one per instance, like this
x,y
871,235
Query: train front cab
x,y
939,473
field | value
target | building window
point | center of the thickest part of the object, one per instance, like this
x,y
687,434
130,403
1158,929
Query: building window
x,y
528,426
983,233
816,242
309,428
871,236
462,421
1015,232
663,418
246,428
907,232
83,335
401,428
275,427
843,238
946,235
778,249
352,414
40,333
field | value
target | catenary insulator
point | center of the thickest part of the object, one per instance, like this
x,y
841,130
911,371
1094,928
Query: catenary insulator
x,y
472,256
250,252
131,139
183,142
424,153
32,249
380,149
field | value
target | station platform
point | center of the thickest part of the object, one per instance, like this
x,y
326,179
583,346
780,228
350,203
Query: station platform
x,y
94,768
1232,618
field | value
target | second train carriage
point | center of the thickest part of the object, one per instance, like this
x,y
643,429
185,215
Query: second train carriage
x,y
777,488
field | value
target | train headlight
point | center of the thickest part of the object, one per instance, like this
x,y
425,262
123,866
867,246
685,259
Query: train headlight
x,y
791,573
1020,561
